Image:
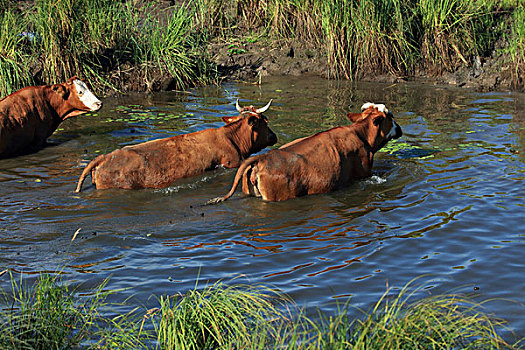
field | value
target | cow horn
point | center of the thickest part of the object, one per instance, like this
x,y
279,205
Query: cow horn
x,y
263,109
239,109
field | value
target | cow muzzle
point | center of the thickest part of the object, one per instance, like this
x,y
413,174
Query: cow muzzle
x,y
272,138
395,132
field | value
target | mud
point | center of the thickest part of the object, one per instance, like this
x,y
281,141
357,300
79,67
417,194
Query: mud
x,y
252,62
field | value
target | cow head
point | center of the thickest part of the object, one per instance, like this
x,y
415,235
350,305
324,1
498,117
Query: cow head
x,y
380,123
251,120
74,98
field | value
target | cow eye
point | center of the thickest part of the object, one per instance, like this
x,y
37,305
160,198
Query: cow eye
x,y
81,92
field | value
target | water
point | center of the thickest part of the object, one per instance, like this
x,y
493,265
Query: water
x,y
446,201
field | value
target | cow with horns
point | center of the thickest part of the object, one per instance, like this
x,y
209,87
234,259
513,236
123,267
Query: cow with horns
x,y
158,163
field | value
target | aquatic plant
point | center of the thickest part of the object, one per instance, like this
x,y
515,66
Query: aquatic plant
x,y
449,321
218,317
50,314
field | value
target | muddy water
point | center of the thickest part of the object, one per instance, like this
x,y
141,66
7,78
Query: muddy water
x,y
445,201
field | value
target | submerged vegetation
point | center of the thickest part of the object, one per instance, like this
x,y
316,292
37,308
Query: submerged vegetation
x,y
50,314
137,45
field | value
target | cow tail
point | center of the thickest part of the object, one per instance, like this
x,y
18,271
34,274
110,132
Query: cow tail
x,y
95,162
238,177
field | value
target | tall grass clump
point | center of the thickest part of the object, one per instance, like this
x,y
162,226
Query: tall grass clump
x,y
41,316
367,36
105,40
14,57
50,314
218,317
177,48
447,321
54,21
76,37
516,46
453,32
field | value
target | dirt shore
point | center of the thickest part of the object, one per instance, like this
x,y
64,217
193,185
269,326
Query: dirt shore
x,y
251,62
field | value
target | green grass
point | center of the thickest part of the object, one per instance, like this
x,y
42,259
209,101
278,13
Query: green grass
x,y
49,314
516,46
101,41
14,60
176,47
218,317
43,315
454,32
369,36
395,322
104,41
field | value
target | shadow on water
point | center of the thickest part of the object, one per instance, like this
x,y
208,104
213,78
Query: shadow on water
x,y
446,199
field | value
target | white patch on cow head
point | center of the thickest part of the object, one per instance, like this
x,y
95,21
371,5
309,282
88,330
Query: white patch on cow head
x,y
380,107
86,96
366,106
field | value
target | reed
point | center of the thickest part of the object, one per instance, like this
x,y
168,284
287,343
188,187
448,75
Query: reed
x,y
41,316
516,46
395,322
177,48
103,40
366,36
14,57
99,40
50,314
454,32
82,37
218,317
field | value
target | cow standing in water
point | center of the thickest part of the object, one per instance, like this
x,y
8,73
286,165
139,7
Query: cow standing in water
x,y
30,115
320,163
158,163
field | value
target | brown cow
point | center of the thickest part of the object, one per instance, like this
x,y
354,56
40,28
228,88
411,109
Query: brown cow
x,y
158,163
320,163
30,115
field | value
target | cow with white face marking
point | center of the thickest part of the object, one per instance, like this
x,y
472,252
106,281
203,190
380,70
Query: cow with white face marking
x,y
30,115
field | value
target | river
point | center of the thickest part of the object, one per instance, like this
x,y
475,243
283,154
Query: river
x,y
445,203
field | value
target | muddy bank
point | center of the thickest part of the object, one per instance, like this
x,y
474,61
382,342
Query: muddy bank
x,y
251,62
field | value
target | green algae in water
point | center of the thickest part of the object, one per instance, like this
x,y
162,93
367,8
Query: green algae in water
x,y
137,114
405,150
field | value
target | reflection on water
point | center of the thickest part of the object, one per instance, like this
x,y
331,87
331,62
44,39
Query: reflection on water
x,y
446,200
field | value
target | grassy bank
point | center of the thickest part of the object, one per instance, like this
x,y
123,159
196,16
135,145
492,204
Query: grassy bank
x,y
110,43
374,36
137,45
50,314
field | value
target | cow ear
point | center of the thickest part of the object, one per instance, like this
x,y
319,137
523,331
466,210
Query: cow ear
x,y
378,120
355,117
229,120
61,90
253,121
70,80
